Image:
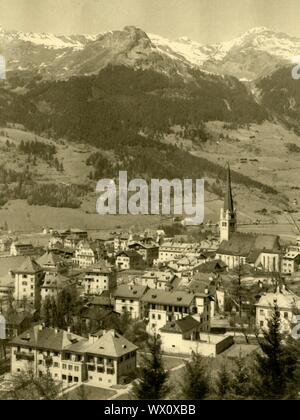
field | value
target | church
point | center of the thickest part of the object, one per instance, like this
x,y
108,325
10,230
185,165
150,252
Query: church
x,y
236,248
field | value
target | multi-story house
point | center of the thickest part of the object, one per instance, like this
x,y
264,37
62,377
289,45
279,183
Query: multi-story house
x,y
105,359
129,260
290,262
100,277
51,263
40,349
18,249
170,251
287,303
121,241
53,284
128,300
86,254
161,307
28,280
156,279
5,244
111,359
149,251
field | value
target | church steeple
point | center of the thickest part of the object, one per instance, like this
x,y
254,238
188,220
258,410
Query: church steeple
x,y
228,201
228,214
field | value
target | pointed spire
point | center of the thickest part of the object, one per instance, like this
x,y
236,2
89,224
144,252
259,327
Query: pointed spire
x,y
228,201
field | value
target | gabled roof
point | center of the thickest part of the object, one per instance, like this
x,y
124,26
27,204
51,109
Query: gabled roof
x,y
46,338
284,300
181,326
249,245
130,291
29,266
101,266
211,266
111,344
49,259
172,298
129,253
56,282
102,300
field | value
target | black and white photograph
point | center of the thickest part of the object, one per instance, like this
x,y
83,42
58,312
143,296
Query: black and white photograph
x,y
149,202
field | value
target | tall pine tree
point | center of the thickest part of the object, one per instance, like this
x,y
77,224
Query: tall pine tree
x,y
276,363
195,384
152,377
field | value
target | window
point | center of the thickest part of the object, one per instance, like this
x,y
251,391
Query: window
x,y
261,312
261,323
76,379
64,366
70,367
64,377
286,315
76,368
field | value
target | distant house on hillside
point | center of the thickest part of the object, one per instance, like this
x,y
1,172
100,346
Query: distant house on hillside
x,y
18,249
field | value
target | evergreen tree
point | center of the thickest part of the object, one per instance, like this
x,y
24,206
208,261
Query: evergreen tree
x,y
276,366
241,381
224,383
152,377
195,384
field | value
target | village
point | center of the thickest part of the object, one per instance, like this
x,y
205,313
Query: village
x,y
81,307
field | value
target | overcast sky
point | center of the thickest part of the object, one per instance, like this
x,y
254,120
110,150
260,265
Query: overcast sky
x,y
205,21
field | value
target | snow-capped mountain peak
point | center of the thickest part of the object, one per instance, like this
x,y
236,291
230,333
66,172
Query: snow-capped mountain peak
x,y
254,53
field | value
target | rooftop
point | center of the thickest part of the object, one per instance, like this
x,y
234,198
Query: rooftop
x,y
249,245
130,291
46,338
181,326
174,298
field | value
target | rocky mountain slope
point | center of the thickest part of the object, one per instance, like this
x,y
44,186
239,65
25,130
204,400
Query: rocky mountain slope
x,y
254,54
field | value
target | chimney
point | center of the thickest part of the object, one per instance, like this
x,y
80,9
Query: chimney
x,y
41,327
206,291
69,330
56,330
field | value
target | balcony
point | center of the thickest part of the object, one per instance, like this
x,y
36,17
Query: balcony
x,y
25,356
48,361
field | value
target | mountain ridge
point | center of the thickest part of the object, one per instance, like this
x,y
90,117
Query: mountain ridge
x,y
247,57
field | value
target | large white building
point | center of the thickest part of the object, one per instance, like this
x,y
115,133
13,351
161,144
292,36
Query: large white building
x,y
28,281
128,300
161,307
100,277
104,359
287,303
